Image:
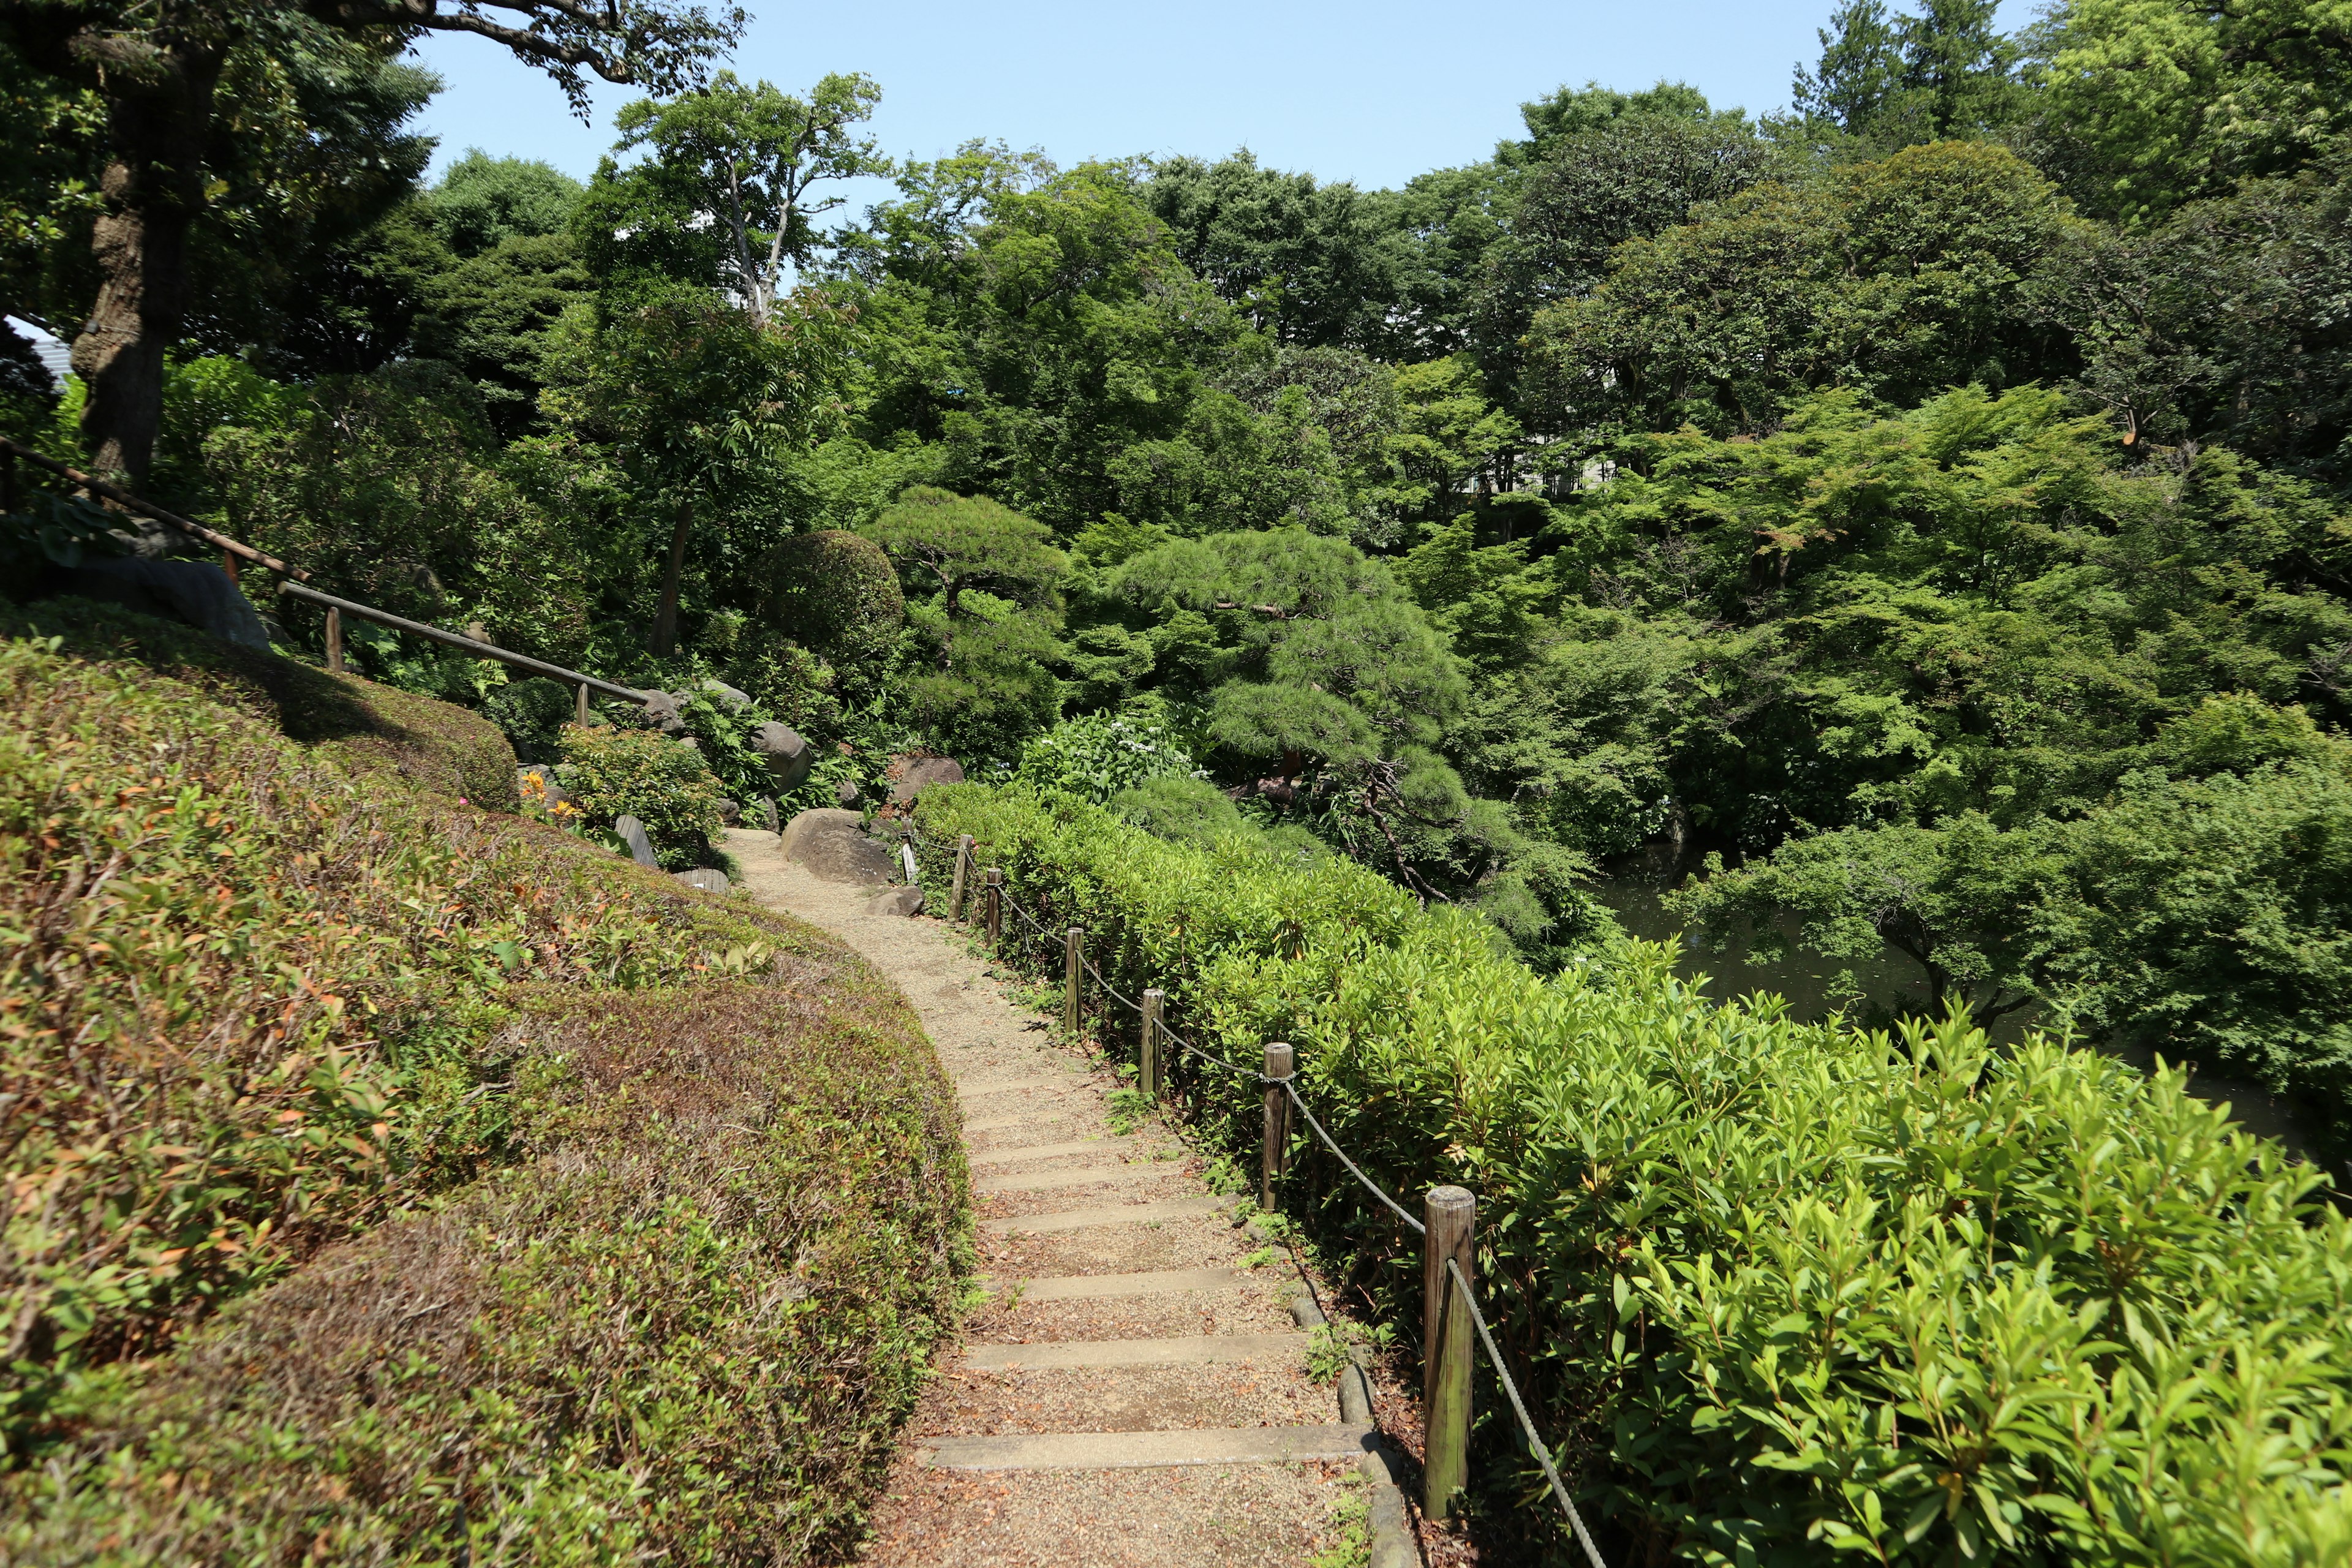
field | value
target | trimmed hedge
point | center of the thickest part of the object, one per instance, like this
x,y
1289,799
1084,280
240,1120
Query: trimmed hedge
x,y
364,727
1780,1293
389,1180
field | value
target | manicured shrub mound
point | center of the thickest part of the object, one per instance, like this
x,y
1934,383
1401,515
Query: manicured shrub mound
x,y
363,726
1780,1293
536,1190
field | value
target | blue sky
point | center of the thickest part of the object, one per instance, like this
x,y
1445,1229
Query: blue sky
x,y
1370,91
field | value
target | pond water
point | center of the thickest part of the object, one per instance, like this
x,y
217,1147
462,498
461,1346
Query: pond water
x,y
1634,889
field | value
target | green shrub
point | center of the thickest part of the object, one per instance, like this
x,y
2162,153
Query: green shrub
x,y
664,783
357,724
532,714
1779,1293
1179,809
835,593
1097,755
547,1221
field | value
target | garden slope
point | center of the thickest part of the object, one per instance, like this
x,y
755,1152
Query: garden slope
x,y
390,1180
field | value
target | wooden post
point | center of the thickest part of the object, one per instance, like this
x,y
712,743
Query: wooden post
x,y
1072,956
334,638
963,864
1277,1117
580,708
229,564
1451,1216
996,908
1155,1002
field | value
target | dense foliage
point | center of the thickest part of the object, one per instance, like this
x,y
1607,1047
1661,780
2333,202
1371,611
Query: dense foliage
x,y
1914,527
470,1134
1776,1289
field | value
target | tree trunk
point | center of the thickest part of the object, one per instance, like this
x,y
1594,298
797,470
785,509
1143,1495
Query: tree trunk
x,y
152,191
666,618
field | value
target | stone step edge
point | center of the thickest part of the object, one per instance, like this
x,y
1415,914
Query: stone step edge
x,y
1173,1350
1149,1450
1116,1213
1072,1112
1108,1145
980,1089
1080,1176
1150,1282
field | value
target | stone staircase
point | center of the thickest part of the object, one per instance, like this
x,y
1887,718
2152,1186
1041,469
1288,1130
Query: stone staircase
x,y
1134,1387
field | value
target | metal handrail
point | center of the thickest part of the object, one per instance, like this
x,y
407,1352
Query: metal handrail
x,y
120,497
479,649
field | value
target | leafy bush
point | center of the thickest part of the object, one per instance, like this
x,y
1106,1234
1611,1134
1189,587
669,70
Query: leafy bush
x,y
1776,1290
616,773
260,1011
835,593
532,714
357,724
1182,810
54,529
1098,755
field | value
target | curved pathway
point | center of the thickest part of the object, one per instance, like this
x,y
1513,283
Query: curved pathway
x,y
1132,1388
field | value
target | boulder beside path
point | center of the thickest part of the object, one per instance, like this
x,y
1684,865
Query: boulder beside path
x,y
834,845
895,901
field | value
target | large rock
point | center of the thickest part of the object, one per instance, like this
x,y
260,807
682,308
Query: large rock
x,y
633,834
726,696
196,592
768,818
788,757
706,877
661,712
895,901
834,845
910,776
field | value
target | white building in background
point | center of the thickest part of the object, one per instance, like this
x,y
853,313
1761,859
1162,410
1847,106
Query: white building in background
x,y
55,354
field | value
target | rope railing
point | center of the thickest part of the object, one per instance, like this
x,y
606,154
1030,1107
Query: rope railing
x,y
1370,1185
1459,1281
1519,1408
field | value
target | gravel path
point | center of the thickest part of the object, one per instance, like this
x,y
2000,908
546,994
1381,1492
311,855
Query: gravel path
x,y
1169,1348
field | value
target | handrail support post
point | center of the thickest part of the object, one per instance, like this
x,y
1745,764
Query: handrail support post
x,y
1451,1215
1149,1067
963,868
1278,1118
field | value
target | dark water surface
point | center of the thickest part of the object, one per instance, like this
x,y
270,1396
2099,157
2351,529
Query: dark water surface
x,y
1634,889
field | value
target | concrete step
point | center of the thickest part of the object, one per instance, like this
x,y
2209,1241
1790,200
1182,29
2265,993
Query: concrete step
x,y
1184,1349
977,1089
1115,1213
1054,1150
1150,1451
1065,1111
1077,1177
1156,1282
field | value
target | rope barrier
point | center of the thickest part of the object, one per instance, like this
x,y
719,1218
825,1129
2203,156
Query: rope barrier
x,y
1453,1268
1088,966
1370,1185
1519,1408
